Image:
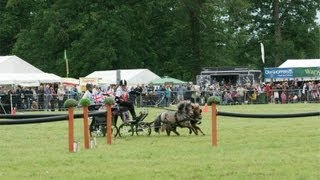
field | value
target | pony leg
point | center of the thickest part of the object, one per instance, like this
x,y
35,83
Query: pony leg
x,y
175,131
198,128
194,130
191,129
168,131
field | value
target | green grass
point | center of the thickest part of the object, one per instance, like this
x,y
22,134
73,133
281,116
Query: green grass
x,y
247,149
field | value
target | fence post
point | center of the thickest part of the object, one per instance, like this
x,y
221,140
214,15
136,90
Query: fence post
x,y
214,124
108,119
85,127
70,125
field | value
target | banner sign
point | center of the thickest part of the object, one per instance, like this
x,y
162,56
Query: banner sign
x,y
286,73
307,72
278,73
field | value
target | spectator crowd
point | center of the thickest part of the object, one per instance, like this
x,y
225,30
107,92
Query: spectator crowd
x,y
50,97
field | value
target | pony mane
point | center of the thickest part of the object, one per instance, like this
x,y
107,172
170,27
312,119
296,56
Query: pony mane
x,y
183,110
181,106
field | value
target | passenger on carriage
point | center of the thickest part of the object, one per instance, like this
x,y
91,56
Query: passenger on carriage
x,y
88,94
122,97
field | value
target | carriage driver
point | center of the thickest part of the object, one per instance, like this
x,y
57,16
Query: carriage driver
x,y
88,94
122,97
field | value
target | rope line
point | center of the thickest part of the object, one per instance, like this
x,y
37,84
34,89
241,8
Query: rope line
x,y
30,119
42,118
295,115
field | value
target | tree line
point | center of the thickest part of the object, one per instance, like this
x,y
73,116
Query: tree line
x,y
170,37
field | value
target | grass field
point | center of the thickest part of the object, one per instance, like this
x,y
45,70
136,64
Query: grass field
x,y
247,149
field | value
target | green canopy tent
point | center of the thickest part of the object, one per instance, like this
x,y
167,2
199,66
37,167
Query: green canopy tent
x,y
167,79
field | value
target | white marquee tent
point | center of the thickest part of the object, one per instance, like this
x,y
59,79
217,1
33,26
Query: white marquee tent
x,y
133,76
292,63
14,70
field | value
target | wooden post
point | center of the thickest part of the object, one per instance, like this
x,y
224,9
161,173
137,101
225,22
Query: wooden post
x,y
85,127
214,125
70,124
108,119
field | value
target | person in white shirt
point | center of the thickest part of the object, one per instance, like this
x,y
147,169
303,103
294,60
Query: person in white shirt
x,y
88,94
122,97
60,94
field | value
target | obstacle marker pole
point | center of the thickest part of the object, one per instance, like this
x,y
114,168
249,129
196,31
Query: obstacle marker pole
x,y
108,119
70,125
85,127
214,125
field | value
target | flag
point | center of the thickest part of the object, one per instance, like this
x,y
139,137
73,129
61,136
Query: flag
x,y
262,53
67,63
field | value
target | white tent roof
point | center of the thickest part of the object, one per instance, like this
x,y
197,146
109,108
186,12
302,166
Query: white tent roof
x,y
31,79
292,63
14,64
14,70
133,76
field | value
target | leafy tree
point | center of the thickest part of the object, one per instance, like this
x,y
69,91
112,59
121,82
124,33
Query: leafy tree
x,y
174,38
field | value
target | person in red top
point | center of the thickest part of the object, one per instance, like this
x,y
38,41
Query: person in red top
x,y
268,90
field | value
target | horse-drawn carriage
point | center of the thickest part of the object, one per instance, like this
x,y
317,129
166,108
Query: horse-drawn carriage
x,y
187,115
98,124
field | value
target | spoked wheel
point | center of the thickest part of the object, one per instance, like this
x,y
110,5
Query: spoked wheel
x,y
143,129
114,131
125,129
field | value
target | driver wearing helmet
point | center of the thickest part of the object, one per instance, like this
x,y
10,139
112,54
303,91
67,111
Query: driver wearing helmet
x,y
88,94
122,97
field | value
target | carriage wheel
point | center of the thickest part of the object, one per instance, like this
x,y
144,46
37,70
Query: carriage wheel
x,y
125,129
143,129
114,131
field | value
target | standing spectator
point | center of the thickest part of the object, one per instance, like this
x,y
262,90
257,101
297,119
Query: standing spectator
x,y
167,95
314,91
180,93
40,98
280,90
268,90
47,97
61,92
240,93
28,97
138,92
283,97
34,100
187,94
52,98
195,97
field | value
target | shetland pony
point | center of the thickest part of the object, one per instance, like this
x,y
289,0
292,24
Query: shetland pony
x,y
196,119
170,120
